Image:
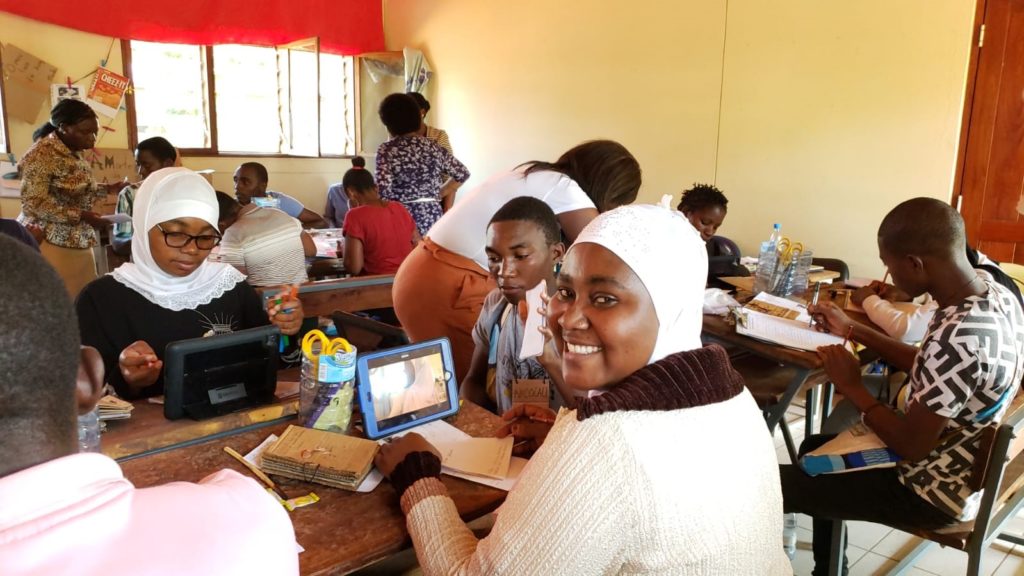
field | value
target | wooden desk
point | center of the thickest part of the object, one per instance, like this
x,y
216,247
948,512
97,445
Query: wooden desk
x,y
344,531
147,431
801,366
347,294
798,368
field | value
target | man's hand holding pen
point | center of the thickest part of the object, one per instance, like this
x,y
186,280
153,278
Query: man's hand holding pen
x,y
829,318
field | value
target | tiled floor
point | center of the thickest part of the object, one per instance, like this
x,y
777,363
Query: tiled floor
x,y
875,549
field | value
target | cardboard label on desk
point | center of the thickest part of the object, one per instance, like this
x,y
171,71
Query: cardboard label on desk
x,y
27,82
531,391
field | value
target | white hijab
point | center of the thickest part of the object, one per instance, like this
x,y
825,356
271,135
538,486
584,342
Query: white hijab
x,y
668,255
167,194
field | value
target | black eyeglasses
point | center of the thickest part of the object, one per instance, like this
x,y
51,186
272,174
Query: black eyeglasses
x,y
180,239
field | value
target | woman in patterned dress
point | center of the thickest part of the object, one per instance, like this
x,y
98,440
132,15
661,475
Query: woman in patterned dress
x,y
411,168
58,192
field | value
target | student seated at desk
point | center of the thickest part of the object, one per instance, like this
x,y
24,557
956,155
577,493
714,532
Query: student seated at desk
x,y
169,291
265,244
251,181
666,468
907,320
379,233
151,155
705,206
524,248
62,512
962,378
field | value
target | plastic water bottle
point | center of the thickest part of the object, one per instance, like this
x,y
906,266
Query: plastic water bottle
x,y
89,431
767,260
789,534
776,235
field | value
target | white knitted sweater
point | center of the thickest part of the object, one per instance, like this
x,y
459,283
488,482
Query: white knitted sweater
x,y
692,491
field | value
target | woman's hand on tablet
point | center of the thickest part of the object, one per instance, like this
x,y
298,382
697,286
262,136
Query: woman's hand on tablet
x,y
285,310
393,452
529,425
139,365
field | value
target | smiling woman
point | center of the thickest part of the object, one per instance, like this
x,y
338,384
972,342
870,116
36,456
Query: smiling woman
x,y
627,482
170,291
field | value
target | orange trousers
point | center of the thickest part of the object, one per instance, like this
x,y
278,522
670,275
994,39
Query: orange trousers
x,y
440,293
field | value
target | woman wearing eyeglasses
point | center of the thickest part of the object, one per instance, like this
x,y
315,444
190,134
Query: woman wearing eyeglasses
x,y
169,291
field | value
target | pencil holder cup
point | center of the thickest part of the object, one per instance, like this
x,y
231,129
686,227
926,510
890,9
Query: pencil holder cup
x,y
327,391
782,277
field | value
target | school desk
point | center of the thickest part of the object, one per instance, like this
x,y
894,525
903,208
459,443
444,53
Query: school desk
x,y
345,530
324,297
784,371
147,431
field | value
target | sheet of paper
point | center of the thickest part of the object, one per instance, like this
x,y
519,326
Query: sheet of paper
x,y
790,333
117,218
515,470
478,456
533,340
857,282
253,457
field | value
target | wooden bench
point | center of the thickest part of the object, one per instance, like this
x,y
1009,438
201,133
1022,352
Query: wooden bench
x,y
324,297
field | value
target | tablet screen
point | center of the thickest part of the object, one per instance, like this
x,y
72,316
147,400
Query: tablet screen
x,y
408,386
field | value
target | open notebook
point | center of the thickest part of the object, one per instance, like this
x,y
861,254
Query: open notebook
x,y
792,331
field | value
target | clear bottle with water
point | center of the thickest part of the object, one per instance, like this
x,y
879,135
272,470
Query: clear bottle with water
x,y
89,431
789,534
767,260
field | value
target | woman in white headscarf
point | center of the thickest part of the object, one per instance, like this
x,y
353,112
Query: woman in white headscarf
x,y
666,468
170,291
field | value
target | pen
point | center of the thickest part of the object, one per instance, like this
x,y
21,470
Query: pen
x,y
849,332
259,473
814,300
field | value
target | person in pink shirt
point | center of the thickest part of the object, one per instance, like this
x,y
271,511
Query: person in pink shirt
x,y
62,512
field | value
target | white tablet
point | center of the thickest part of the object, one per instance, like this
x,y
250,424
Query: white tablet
x,y
406,386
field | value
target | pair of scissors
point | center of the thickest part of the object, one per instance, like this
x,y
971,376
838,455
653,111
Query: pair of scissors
x,y
789,249
328,347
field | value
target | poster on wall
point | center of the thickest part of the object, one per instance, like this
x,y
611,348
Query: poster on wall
x,y
106,92
26,83
60,92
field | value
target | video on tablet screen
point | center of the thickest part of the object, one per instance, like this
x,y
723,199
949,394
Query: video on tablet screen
x,y
408,387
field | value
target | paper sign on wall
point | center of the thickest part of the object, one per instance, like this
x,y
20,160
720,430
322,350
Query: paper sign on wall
x,y
27,82
60,92
106,92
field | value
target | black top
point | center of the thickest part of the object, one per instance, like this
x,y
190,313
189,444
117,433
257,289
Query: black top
x,y
111,316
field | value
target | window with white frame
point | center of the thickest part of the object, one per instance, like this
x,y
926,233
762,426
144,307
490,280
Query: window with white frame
x,y
232,99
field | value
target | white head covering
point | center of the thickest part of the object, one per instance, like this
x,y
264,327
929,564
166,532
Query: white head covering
x,y
668,255
167,194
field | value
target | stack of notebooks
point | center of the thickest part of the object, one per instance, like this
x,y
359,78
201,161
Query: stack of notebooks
x,y
320,456
113,408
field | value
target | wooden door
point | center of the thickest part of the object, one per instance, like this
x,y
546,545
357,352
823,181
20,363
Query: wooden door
x,y
992,183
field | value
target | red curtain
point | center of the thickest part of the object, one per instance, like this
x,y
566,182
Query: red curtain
x,y
344,26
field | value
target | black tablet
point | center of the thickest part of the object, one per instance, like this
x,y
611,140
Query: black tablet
x,y
406,386
206,377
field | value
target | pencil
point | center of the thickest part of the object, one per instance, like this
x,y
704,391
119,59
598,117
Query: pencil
x,y
259,473
886,277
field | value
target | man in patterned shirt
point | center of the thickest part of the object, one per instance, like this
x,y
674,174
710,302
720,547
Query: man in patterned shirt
x,y
962,378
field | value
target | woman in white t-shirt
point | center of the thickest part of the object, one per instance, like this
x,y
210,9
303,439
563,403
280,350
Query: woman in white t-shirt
x,y
441,285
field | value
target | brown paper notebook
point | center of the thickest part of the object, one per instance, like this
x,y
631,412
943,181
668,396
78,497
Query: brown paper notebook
x,y
319,456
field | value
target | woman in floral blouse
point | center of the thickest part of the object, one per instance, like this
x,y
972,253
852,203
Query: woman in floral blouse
x,y
58,192
411,168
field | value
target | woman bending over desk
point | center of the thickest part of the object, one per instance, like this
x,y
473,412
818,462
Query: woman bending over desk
x,y
169,291
666,468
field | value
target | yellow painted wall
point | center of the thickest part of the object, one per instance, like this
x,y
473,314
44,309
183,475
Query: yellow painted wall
x,y
76,53
524,80
830,112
